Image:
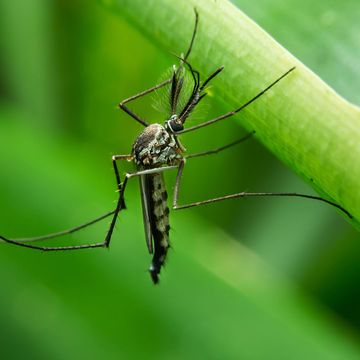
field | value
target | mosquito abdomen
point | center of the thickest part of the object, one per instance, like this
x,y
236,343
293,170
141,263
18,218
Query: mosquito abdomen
x,y
160,224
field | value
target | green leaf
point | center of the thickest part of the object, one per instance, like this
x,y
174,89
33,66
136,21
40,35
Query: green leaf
x,y
302,120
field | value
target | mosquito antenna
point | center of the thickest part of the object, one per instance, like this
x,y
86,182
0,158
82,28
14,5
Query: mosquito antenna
x,y
193,72
193,34
194,97
176,86
174,89
233,112
193,101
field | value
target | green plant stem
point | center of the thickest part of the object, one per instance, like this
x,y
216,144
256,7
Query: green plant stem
x,y
301,120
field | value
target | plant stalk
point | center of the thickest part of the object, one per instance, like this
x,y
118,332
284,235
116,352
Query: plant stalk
x,y
304,122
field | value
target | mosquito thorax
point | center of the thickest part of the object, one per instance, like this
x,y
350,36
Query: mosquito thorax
x,y
156,146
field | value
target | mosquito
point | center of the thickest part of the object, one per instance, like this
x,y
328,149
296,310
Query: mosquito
x,y
158,149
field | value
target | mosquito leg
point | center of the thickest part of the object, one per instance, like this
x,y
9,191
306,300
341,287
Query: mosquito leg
x,y
115,214
232,113
117,174
203,153
22,241
217,150
121,188
105,243
150,171
119,207
176,206
134,97
177,185
121,201
65,232
116,170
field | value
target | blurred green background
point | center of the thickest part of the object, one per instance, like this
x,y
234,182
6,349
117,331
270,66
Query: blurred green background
x,y
246,279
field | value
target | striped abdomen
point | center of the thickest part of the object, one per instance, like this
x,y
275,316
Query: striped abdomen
x,y
159,218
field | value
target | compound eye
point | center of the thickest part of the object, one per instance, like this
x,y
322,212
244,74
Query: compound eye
x,y
175,126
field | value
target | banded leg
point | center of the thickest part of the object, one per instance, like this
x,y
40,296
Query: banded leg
x,y
176,206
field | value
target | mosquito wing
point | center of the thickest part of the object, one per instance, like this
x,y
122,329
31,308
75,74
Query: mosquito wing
x,y
145,202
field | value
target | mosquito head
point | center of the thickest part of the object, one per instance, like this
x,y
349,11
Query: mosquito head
x,y
156,146
174,125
